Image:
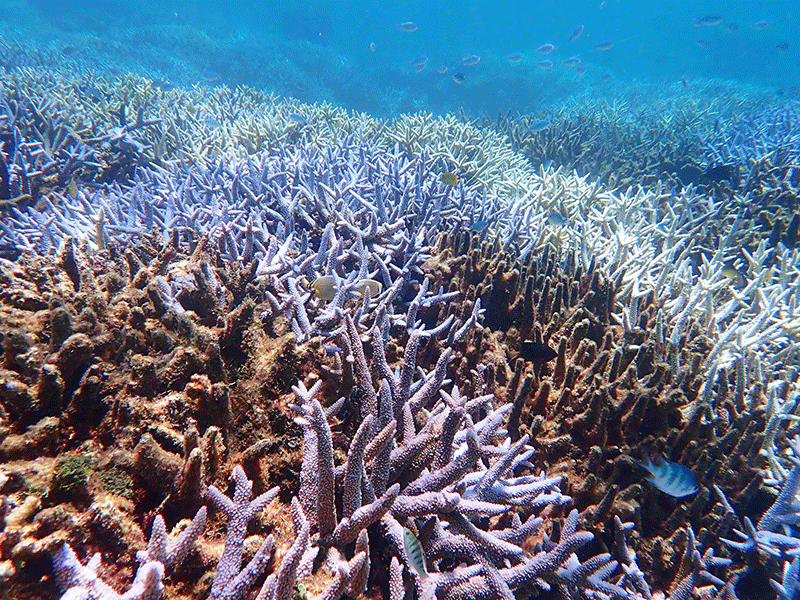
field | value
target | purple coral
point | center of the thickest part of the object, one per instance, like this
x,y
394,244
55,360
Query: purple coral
x,y
231,581
78,581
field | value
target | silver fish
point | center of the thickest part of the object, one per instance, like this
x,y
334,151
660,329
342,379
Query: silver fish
x,y
575,34
539,125
708,21
670,477
419,62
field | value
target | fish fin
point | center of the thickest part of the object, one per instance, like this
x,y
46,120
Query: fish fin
x,y
646,463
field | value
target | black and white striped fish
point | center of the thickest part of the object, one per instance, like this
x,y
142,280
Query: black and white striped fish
x,y
670,477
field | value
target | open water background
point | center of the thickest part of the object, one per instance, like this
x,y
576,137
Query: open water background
x,y
353,54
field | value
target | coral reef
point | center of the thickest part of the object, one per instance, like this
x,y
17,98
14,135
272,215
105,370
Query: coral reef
x,y
292,302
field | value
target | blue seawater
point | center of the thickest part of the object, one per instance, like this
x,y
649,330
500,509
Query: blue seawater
x,y
356,55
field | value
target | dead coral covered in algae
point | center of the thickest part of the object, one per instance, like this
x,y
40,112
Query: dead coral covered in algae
x,y
97,386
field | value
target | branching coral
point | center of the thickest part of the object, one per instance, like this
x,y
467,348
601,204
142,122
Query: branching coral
x,y
79,581
308,278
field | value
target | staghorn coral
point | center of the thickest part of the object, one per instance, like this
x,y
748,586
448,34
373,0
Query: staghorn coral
x,y
626,142
81,581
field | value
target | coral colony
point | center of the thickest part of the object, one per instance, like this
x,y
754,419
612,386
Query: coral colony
x,y
345,357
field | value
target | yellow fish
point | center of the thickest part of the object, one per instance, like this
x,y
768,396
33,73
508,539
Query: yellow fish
x,y
449,178
374,287
324,287
734,275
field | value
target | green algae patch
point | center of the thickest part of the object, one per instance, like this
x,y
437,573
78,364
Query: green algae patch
x,y
116,481
70,476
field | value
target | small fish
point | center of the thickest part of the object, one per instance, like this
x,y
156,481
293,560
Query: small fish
x,y
94,94
572,61
514,57
163,85
703,43
576,33
298,118
209,75
72,188
731,27
420,60
408,26
536,352
606,77
415,553
479,226
324,287
471,60
449,178
684,81
373,47
580,70
556,220
99,230
539,125
442,69
375,287
708,21
782,46
544,64
332,349
670,477
69,50
545,48
735,275
762,24
459,77
211,123
604,45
